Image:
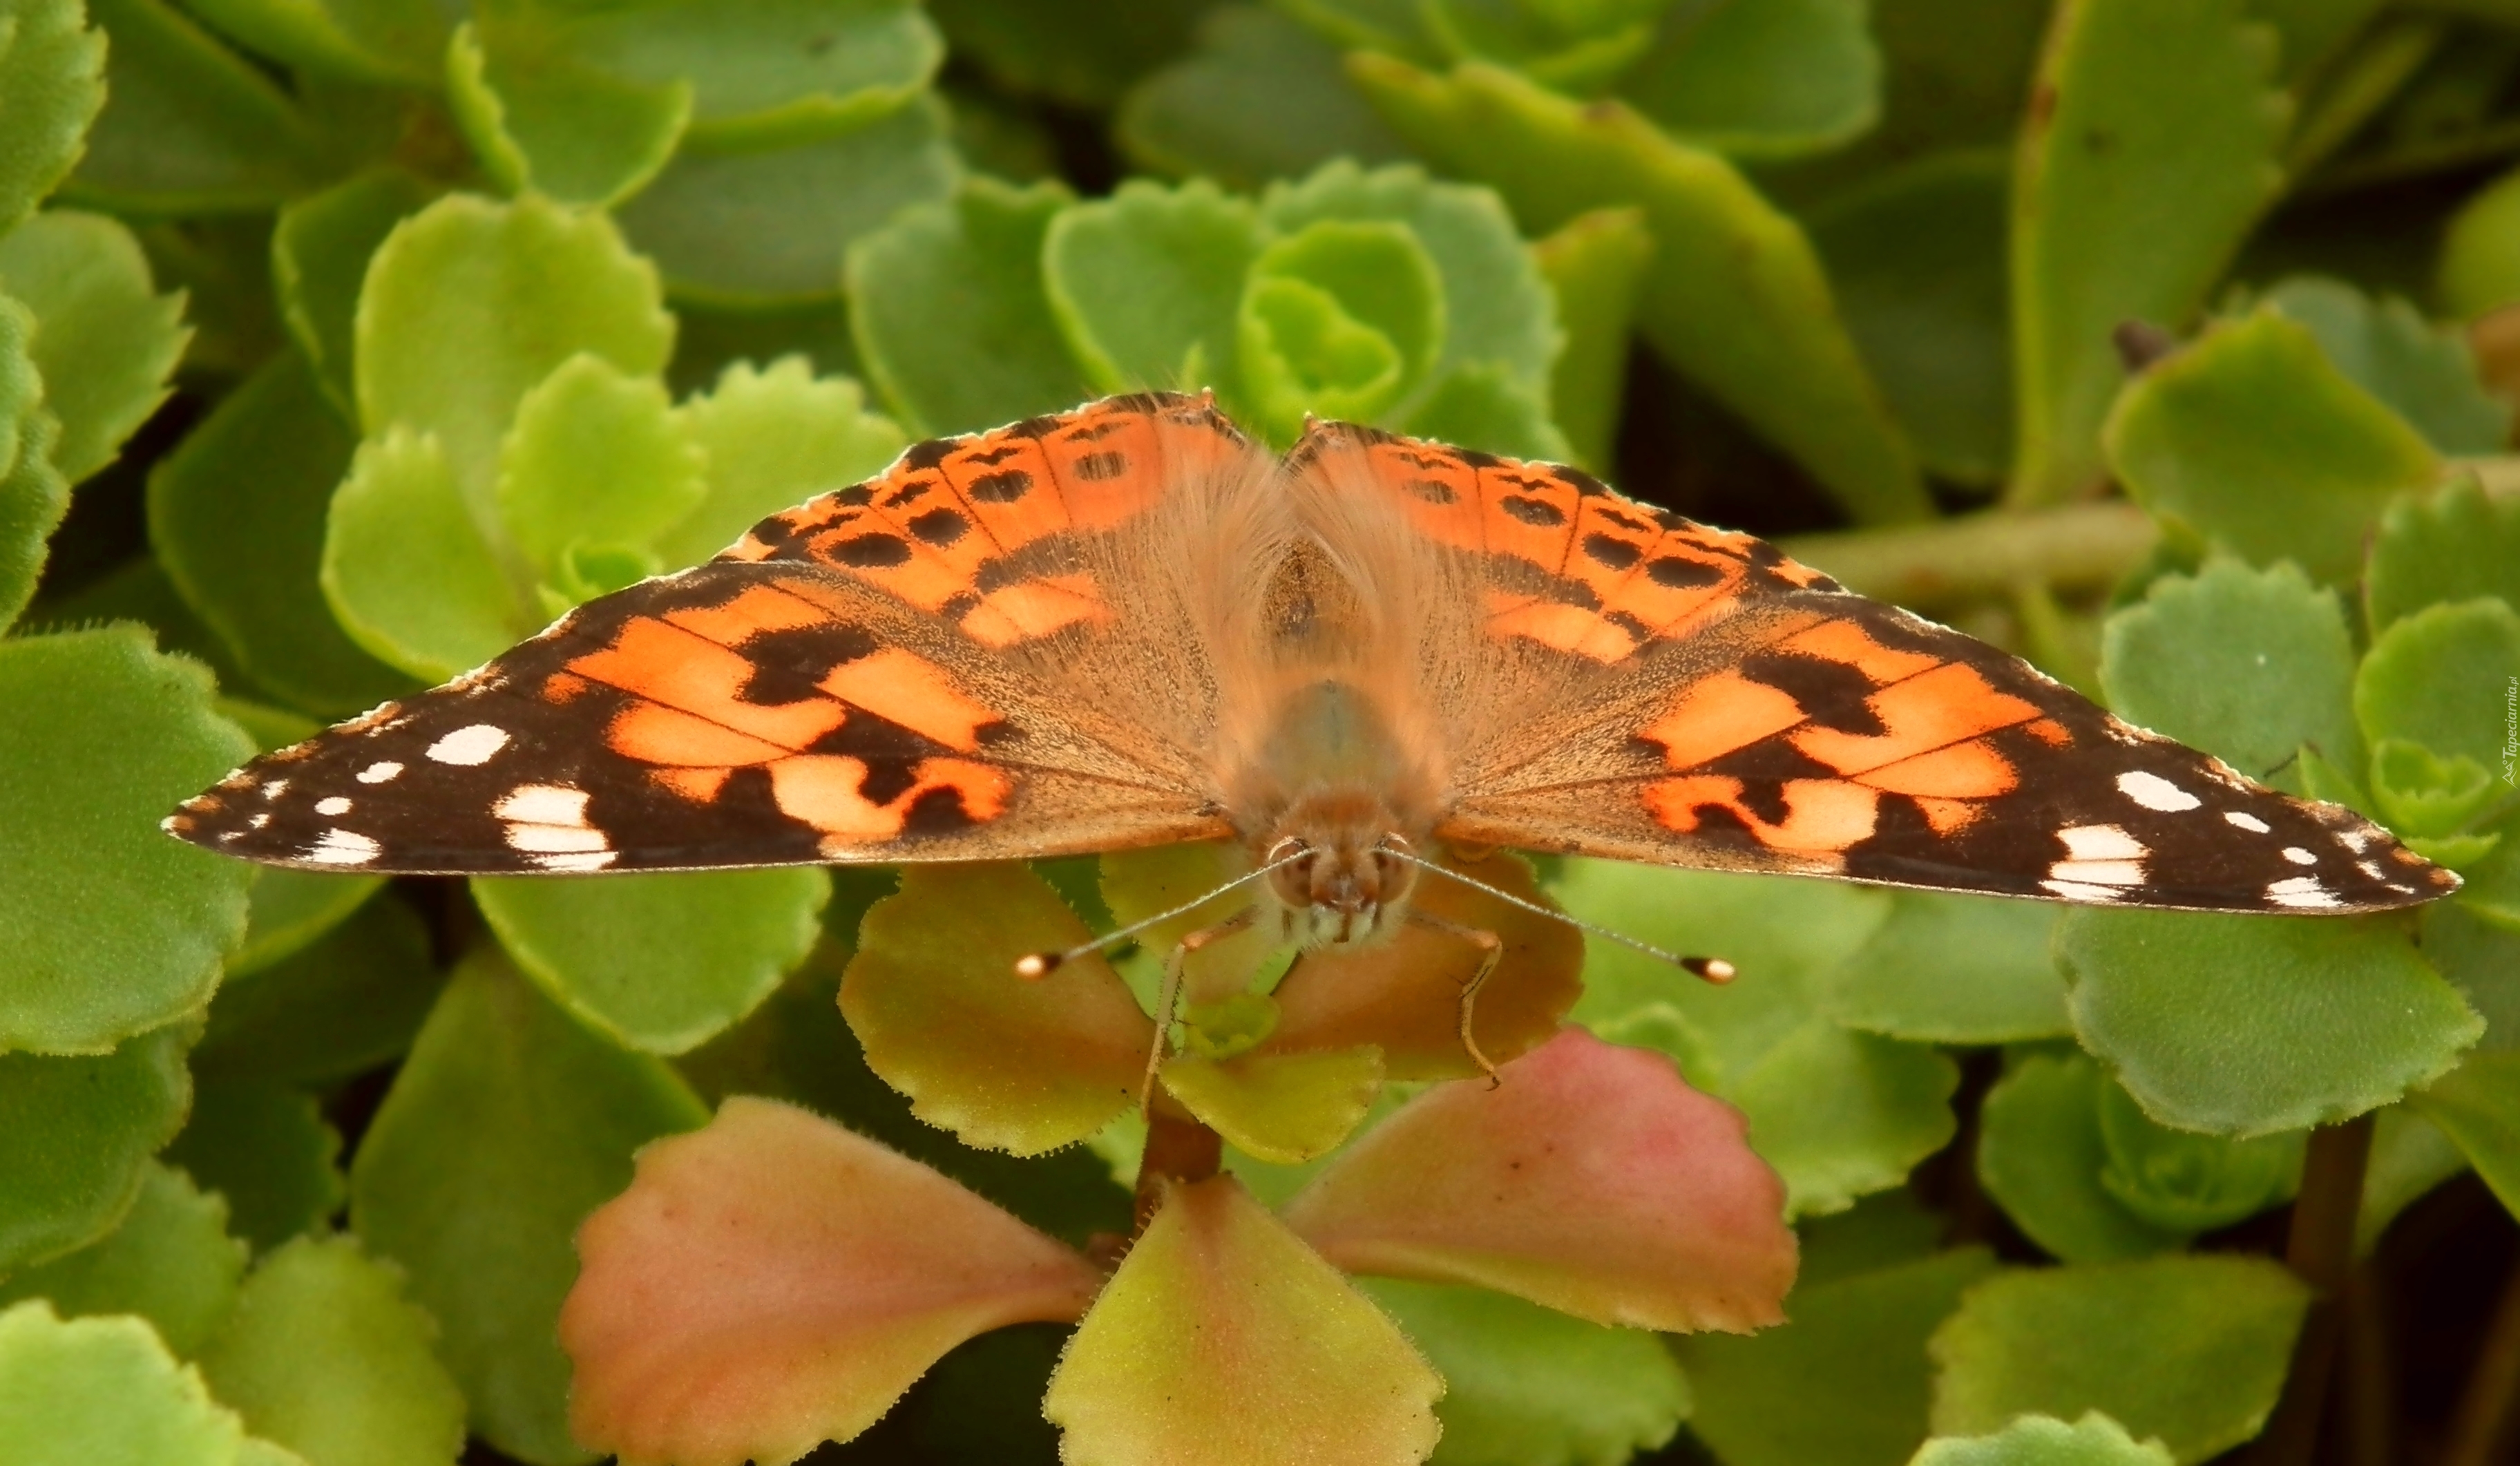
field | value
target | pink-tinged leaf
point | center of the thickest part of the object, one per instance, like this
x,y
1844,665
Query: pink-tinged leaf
x,y
1592,1180
1004,1063
1223,1338
1405,996
773,1281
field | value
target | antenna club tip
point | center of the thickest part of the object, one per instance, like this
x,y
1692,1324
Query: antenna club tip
x,y
1715,970
1036,966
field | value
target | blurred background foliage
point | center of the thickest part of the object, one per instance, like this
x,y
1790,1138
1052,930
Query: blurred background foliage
x,y
2168,342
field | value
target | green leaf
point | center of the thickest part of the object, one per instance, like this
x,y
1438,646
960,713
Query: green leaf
x,y
2443,678
2039,1155
285,909
33,494
2188,1349
1917,258
346,1003
1524,1386
1596,264
596,456
52,71
2134,184
1954,968
1003,1064
1837,1114
190,126
664,962
2245,1026
507,1126
2181,1181
2251,439
105,341
2410,1157
2454,544
1482,406
1083,53
771,438
2480,259
1340,319
325,1356
468,303
94,1390
1771,80
1145,286
2428,799
2477,1105
775,226
540,118
950,316
1261,98
1216,1289
1737,298
76,1139
714,339
320,250
171,1262
761,75
113,927
2424,372
2044,1441
392,42
1497,306
2247,664
1857,1342
267,1149
405,568
237,515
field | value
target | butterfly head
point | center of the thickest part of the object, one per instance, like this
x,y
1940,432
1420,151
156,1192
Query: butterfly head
x,y
1345,879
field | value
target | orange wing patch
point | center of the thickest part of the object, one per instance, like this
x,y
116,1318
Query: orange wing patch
x,y
969,528
1574,566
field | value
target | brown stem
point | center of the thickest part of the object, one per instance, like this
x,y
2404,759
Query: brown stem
x,y
1973,556
2319,1251
2484,1415
2369,1397
1178,1149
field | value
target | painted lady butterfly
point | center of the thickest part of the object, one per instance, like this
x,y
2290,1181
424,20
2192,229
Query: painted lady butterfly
x,y
1127,626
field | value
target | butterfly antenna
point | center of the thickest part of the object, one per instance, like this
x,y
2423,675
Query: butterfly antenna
x,y
1037,965
1713,968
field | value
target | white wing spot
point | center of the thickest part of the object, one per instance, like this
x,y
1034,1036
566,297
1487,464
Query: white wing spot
x,y
542,805
469,746
2076,891
333,805
589,860
258,821
2299,856
2098,872
2246,821
275,789
2356,841
2101,843
377,773
554,839
2153,791
343,848
2301,890
2379,875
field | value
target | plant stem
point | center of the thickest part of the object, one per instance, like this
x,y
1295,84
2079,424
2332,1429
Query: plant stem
x,y
1989,553
2319,1249
1178,1149
2485,1408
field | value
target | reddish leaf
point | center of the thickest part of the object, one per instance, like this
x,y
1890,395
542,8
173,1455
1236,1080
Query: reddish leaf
x,y
1592,1180
774,1280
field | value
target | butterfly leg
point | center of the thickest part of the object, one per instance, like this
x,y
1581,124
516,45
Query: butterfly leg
x,y
1169,996
1490,952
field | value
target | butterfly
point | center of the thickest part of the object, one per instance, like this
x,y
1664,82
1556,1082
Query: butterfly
x,y
1129,626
